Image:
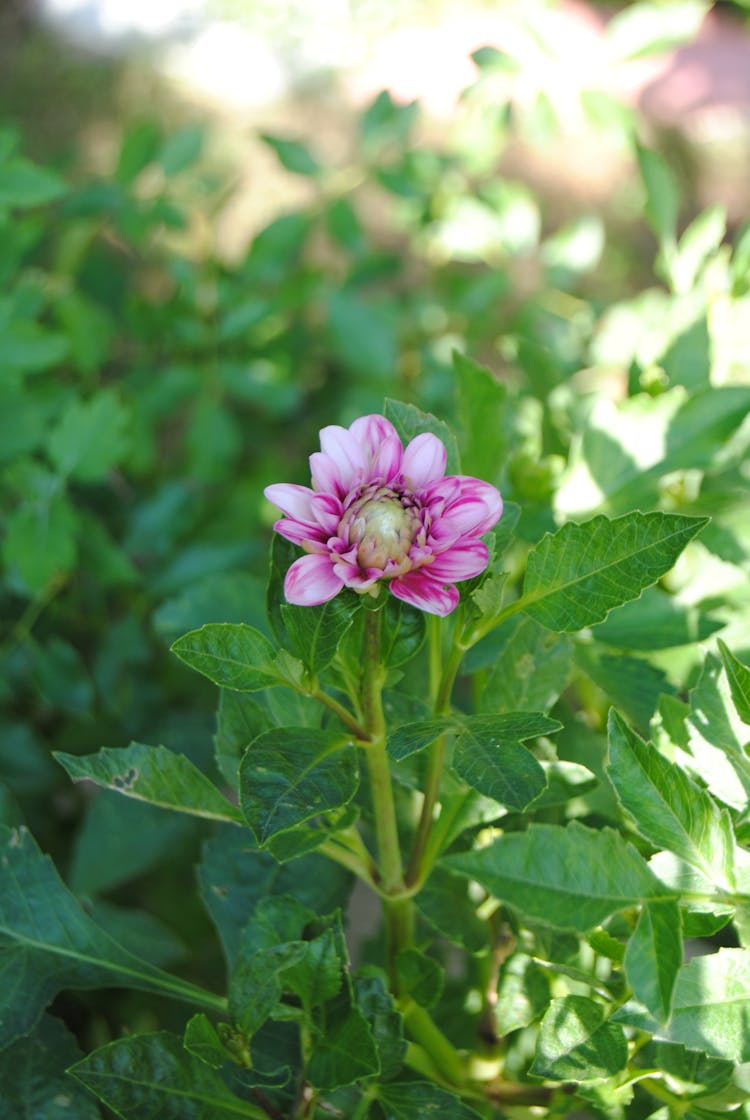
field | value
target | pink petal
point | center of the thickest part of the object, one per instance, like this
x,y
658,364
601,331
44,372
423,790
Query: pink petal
x,y
385,463
327,511
326,477
424,461
294,501
311,580
346,452
473,513
370,432
462,561
427,594
311,537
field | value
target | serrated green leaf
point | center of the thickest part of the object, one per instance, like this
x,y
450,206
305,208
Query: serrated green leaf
x,y
654,957
236,656
346,1052
655,621
711,1006
256,986
289,775
420,977
700,1074
413,737
531,671
668,809
152,1075
48,943
317,976
315,632
235,877
90,437
407,1100
152,774
34,1083
498,768
716,738
577,1043
410,422
738,675
508,727
377,1005
570,878
575,576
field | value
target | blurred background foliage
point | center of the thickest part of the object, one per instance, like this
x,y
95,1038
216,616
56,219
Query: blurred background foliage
x,y
190,289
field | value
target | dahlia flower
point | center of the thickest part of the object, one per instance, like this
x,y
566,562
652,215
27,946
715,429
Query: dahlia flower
x,y
378,512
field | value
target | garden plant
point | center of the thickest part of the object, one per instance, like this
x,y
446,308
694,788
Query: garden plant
x,y
443,811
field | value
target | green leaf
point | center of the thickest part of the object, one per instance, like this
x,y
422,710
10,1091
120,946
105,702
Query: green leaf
x,y
153,774
377,1005
577,1043
655,621
654,957
23,185
34,1083
27,347
498,767
236,656
235,877
738,676
202,1040
570,878
577,575
293,155
152,1075
182,149
256,986
632,684
668,809
90,437
523,994
40,542
49,943
406,1101
346,1052
420,977
627,449
444,901
410,422
290,775
716,738
508,727
315,632
317,976
700,1074
662,197
710,1006
482,403
239,720
531,670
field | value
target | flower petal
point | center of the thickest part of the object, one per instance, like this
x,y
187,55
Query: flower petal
x,y
386,460
424,461
294,501
326,477
311,537
327,511
462,561
311,580
346,452
427,594
476,510
370,432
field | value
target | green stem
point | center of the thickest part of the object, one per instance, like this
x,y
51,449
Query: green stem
x,y
349,721
435,767
346,858
442,1054
398,912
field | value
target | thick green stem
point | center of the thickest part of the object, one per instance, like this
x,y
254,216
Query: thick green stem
x,y
398,912
442,1053
435,767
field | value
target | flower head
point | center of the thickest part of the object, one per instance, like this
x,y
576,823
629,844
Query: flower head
x,y
378,512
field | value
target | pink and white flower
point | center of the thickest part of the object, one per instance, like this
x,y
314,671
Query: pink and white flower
x,y
380,512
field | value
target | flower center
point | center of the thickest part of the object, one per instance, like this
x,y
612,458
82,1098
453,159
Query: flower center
x,y
383,529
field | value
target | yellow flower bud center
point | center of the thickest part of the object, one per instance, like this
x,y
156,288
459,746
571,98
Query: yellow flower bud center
x,y
384,531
